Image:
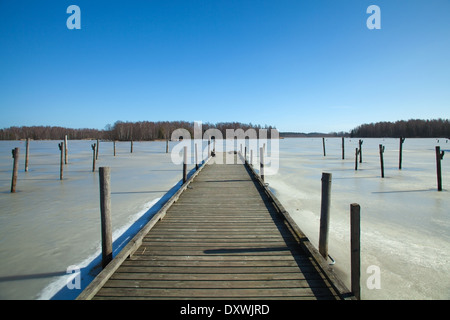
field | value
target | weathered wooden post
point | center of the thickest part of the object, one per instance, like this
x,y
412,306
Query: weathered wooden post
x,y
96,153
245,155
66,150
400,153
439,157
93,156
185,165
209,147
261,163
196,157
114,147
105,214
61,148
15,155
381,159
360,150
323,145
167,145
343,149
325,214
355,250
27,153
356,158
131,148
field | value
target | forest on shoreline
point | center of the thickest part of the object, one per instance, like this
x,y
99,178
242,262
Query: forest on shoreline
x,y
408,129
122,131
148,130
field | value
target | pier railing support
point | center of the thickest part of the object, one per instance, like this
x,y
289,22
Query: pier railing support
x,y
439,157
15,155
185,165
355,250
66,150
381,147
93,156
27,154
360,150
400,153
325,214
96,153
105,212
261,163
323,146
196,157
61,148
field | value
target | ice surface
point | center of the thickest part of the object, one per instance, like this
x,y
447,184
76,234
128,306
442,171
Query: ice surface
x,y
49,225
405,221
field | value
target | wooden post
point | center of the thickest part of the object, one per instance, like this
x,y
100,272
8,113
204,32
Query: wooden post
x,y
27,154
167,145
245,155
93,157
185,165
343,149
356,158
323,145
261,163
355,235
66,150
209,147
61,148
400,153
96,154
105,214
131,148
381,159
360,150
15,155
114,147
196,157
325,214
439,157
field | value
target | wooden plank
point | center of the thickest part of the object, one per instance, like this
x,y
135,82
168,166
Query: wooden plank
x,y
222,238
213,284
218,277
90,291
218,293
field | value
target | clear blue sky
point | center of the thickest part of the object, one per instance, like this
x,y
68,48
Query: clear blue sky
x,y
298,65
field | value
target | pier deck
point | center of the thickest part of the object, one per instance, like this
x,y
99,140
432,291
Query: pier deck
x,y
225,237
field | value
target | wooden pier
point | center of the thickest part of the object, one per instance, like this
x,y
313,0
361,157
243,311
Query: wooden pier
x,y
223,235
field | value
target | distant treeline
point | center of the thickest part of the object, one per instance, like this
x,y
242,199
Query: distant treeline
x,y
313,134
121,131
408,129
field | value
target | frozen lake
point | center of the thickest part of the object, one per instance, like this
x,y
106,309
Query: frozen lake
x,y
49,225
405,221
